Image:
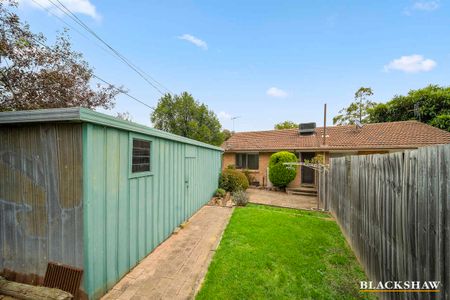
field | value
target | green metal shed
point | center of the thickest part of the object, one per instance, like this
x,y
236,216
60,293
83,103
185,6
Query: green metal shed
x,y
92,191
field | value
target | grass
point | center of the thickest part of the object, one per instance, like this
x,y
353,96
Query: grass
x,y
277,253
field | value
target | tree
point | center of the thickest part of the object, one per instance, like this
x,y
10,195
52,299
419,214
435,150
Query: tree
x,y
226,134
357,110
183,115
126,116
285,125
430,105
33,75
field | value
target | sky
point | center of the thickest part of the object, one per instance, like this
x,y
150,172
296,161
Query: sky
x,y
261,61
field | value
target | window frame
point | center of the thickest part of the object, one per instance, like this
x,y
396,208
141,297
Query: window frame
x,y
246,160
131,137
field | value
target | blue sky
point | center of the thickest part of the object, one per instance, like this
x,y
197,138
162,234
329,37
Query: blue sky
x,y
264,61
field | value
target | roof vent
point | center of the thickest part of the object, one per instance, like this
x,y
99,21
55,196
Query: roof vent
x,y
306,128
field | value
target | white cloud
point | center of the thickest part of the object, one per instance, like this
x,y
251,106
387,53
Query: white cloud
x,y
196,41
411,64
224,115
426,5
422,6
76,6
276,92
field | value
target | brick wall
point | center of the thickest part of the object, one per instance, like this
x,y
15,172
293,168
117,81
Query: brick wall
x,y
263,164
229,158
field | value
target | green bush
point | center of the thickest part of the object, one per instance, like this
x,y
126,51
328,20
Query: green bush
x,y
240,198
220,193
442,122
249,176
281,175
231,167
233,180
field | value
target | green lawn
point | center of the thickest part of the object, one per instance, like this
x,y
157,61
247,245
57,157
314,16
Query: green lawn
x,y
276,253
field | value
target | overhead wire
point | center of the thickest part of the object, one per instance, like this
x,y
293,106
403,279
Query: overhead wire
x,y
122,91
144,75
71,26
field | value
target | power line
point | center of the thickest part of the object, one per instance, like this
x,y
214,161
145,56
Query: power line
x,y
93,74
155,84
96,76
123,92
71,26
82,34
135,68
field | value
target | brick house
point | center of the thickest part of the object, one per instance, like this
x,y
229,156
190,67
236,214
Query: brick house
x,y
252,150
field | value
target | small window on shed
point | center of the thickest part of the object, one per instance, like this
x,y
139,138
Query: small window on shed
x,y
141,156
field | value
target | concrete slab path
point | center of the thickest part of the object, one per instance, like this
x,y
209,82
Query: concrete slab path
x,y
176,268
281,199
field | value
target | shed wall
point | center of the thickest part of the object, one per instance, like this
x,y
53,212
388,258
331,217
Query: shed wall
x,y
40,197
127,217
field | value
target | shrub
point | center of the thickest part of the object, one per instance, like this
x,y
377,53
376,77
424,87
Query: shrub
x,y
231,167
249,176
233,180
442,122
281,175
240,198
318,159
220,193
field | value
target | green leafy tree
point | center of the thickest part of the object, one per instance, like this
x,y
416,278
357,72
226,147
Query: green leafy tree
x,y
430,105
183,115
226,134
357,110
442,122
286,125
34,75
279,174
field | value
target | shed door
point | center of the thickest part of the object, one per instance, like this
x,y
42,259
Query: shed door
x,y
190,186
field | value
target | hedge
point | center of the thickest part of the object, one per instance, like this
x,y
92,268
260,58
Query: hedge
x,y
279,174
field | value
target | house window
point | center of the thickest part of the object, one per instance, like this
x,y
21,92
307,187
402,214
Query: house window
x,y
247,161
140,161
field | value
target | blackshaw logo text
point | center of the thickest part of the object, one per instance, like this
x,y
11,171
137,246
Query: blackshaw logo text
x,y
400,286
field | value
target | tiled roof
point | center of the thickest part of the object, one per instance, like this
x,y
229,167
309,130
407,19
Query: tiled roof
x,y
390,135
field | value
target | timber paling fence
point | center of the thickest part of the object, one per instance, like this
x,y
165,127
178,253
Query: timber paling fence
x,y
394,210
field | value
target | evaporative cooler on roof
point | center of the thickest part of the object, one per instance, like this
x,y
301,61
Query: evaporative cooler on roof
x,y
306,128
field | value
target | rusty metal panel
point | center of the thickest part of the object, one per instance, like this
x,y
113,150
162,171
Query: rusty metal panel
x,y
127,216
40,196
63,277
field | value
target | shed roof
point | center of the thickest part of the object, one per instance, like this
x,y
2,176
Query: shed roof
x,y
390,135
79,114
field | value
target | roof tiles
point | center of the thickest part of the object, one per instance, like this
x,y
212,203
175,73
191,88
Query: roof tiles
x,y
390,135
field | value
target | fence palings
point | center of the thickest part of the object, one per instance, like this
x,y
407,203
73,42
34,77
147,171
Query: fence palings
x,y
394,210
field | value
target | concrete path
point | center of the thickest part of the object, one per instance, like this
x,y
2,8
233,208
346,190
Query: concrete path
x,y
176,268
281,199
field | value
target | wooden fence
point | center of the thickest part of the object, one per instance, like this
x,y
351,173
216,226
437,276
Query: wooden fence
x,y
394,210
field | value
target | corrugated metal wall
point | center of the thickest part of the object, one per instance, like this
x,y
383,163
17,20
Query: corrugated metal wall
x,y
126,218
40,197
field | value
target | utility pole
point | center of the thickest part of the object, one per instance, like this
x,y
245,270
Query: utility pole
x,y
324,124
